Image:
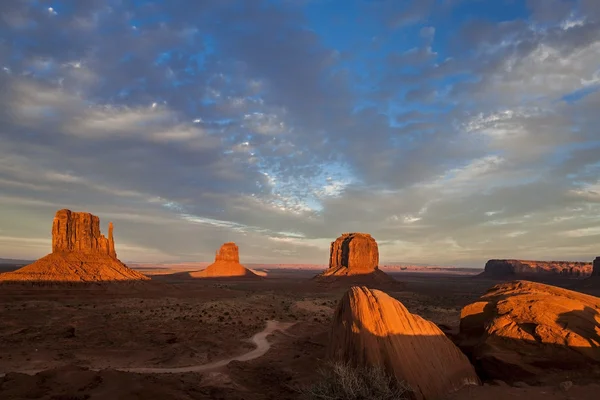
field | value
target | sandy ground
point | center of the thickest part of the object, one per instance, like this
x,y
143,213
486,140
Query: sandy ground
x,y
81,337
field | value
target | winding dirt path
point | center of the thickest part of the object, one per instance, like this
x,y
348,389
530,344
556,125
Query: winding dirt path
x,y
259,339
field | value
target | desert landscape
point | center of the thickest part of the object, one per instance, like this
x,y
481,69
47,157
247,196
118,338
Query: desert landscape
x,y
299,200
79,324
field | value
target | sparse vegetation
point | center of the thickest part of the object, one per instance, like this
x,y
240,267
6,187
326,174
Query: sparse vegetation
x,y
341,381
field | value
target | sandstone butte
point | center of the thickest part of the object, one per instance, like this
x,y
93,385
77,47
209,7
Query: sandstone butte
x,y
80,254
526,331
515,268
354,258
226,265
370,328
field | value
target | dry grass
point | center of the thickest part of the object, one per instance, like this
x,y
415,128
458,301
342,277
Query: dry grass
x,y
341,381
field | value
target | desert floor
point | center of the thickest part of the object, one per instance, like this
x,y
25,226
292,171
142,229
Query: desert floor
x,y
82,337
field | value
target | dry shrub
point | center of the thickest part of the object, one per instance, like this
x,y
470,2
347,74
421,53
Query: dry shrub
x,y
341,381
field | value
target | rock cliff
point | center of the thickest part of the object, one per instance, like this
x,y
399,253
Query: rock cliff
x,y
354,259
515,268
80,254
370,328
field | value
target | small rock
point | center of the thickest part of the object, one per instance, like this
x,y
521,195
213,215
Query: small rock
x,y
520,385
498,382
565,386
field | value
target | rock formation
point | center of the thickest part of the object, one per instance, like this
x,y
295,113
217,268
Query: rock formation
x,y
522,268
526,331
354,258
226,265
80,232
370,328
80,253
596,267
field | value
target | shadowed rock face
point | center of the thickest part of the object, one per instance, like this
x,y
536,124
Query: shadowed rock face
x,y
596,268
228,252
370,328
515,268
80,254
355,251
80,232
525,331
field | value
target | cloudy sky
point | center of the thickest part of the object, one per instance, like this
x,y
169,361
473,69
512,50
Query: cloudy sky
x,y
453,131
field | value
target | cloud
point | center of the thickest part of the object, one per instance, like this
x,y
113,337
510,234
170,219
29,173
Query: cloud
x,y
194,124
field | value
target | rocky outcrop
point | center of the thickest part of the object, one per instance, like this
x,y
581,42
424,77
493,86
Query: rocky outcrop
x,y
523,268
526,331
226,265
370,328
228,252
80,232
355,251
354,259
80,254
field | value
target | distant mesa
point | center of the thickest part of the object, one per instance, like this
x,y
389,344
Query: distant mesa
x,y
354,259
511,269
532,332
226,265
80,254
370,328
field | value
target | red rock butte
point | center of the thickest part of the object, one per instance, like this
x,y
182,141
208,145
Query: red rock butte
x,y
527,331
522,268
596,267
226,265
80,254
354,257
370,328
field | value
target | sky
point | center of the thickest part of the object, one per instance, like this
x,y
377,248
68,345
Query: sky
x,y
452,131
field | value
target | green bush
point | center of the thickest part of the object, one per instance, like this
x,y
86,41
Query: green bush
x,y
341,381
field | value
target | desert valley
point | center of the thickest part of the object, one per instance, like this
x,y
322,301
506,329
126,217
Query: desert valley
x,y
80,324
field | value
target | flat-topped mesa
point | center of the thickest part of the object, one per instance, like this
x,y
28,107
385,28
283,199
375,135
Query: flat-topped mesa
x,y
515,268
596,268
355,251
228,252
79,232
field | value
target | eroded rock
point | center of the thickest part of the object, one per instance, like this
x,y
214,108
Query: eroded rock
x,y
512,269
226,265
525,331
370,328
80,254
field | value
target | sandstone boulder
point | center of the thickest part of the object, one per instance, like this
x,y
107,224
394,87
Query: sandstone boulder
x,y
526,331
354,259
511,269
226,265
370,328
80,254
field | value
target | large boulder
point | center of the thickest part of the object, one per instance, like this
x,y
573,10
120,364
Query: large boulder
x,y
80,254
526,331
370,328
226,265
354,259
512,269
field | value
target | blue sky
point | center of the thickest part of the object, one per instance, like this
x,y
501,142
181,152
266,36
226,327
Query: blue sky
x,y
453,131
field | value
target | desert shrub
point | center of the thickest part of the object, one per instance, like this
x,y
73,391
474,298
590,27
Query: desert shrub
x,y
341,381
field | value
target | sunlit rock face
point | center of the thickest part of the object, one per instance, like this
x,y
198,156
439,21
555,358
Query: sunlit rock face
x,y
526,331
354,259
80,254
370,328
226,265
512,269
80,232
